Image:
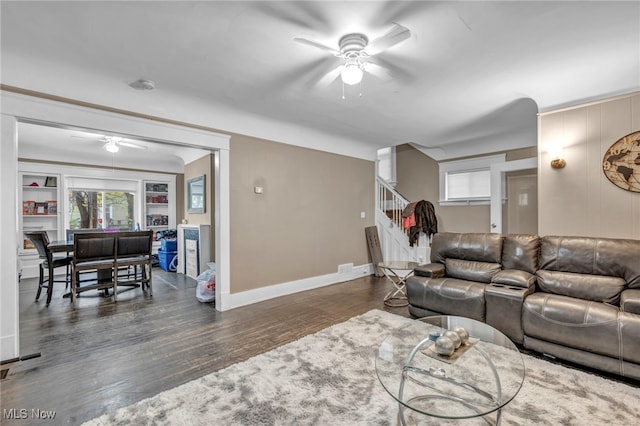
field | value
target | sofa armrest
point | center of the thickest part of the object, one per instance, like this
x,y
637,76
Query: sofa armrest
x,y
514,278
430,270
630,301
504,309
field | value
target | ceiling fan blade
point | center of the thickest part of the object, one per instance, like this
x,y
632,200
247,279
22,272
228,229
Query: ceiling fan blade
x,y
131,145
377,70
307,15
316,45
86,138
390,68
329,77
304,75
397,34
398,11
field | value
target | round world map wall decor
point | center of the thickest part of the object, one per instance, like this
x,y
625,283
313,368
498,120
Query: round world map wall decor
x,y
621,162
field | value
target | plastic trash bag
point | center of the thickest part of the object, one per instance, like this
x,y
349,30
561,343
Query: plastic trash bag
x,y
206,288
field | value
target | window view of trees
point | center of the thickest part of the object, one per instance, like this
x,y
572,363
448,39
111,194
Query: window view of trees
x,y
101,210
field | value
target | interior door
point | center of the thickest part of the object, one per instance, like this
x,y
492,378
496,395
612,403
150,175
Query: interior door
x,y
499,205
521,216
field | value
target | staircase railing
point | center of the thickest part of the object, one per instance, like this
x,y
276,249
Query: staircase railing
x,y
390,201
394,239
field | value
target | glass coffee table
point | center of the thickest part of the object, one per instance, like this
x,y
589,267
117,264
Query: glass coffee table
x,y
477,380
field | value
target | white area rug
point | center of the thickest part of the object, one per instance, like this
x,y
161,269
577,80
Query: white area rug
x,y
329,378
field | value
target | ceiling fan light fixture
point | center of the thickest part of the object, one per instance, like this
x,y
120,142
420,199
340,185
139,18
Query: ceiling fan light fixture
x,y
351,74
111,147
112,143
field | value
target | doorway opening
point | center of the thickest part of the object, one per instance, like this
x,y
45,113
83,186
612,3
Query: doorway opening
x,y
520,214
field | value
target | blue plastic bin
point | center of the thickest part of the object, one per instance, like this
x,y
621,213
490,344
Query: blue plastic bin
x,y
166,260
168,245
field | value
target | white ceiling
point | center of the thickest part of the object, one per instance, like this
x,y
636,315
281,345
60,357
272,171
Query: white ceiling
x,y
469,80
67,145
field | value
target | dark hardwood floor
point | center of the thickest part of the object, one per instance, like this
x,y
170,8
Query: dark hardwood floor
x,y
105,355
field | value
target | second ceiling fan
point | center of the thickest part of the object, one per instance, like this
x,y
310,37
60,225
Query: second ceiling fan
x,y
113,144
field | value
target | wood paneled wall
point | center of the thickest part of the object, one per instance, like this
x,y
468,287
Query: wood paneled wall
x,y
579,199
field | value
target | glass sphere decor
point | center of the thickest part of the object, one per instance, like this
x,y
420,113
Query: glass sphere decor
x,y
445,346
454,337
463,333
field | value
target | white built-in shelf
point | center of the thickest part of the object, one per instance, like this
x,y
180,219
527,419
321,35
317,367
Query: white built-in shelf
x,y
50,188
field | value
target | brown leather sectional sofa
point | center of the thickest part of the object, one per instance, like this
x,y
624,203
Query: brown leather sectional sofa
x,y
575,298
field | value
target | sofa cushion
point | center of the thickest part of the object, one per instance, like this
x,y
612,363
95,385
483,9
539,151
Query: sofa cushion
x,y
466,246
575,323
596,256
598,288
449,296
520,251
629,326
514,278
432,270
630,301
470,270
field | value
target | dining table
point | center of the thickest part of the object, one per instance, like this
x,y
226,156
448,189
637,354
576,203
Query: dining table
x,y
57,246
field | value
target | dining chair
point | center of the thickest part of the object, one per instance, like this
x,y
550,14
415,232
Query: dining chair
x,y
134,249
94,252
40,240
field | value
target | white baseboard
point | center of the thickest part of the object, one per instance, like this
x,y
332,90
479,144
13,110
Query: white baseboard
x,y
8,347
265,293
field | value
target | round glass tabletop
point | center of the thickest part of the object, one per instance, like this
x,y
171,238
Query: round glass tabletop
x,y
479,378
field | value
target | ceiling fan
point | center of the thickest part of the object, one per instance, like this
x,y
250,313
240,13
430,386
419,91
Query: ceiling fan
x,y
358,55
113,143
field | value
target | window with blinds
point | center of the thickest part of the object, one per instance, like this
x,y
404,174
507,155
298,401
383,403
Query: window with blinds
x,y
467,181
468,185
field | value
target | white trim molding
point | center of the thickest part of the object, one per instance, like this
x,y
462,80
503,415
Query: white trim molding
x,y
9,320
269,292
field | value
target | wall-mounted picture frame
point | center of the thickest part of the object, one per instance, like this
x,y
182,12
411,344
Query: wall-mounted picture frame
x,y
196,195
51,182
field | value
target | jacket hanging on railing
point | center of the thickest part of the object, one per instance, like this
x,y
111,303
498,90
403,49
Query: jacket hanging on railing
x,y
425,221
408,216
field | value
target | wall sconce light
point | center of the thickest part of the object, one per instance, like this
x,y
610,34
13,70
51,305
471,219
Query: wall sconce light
x,y
557,160
558,163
